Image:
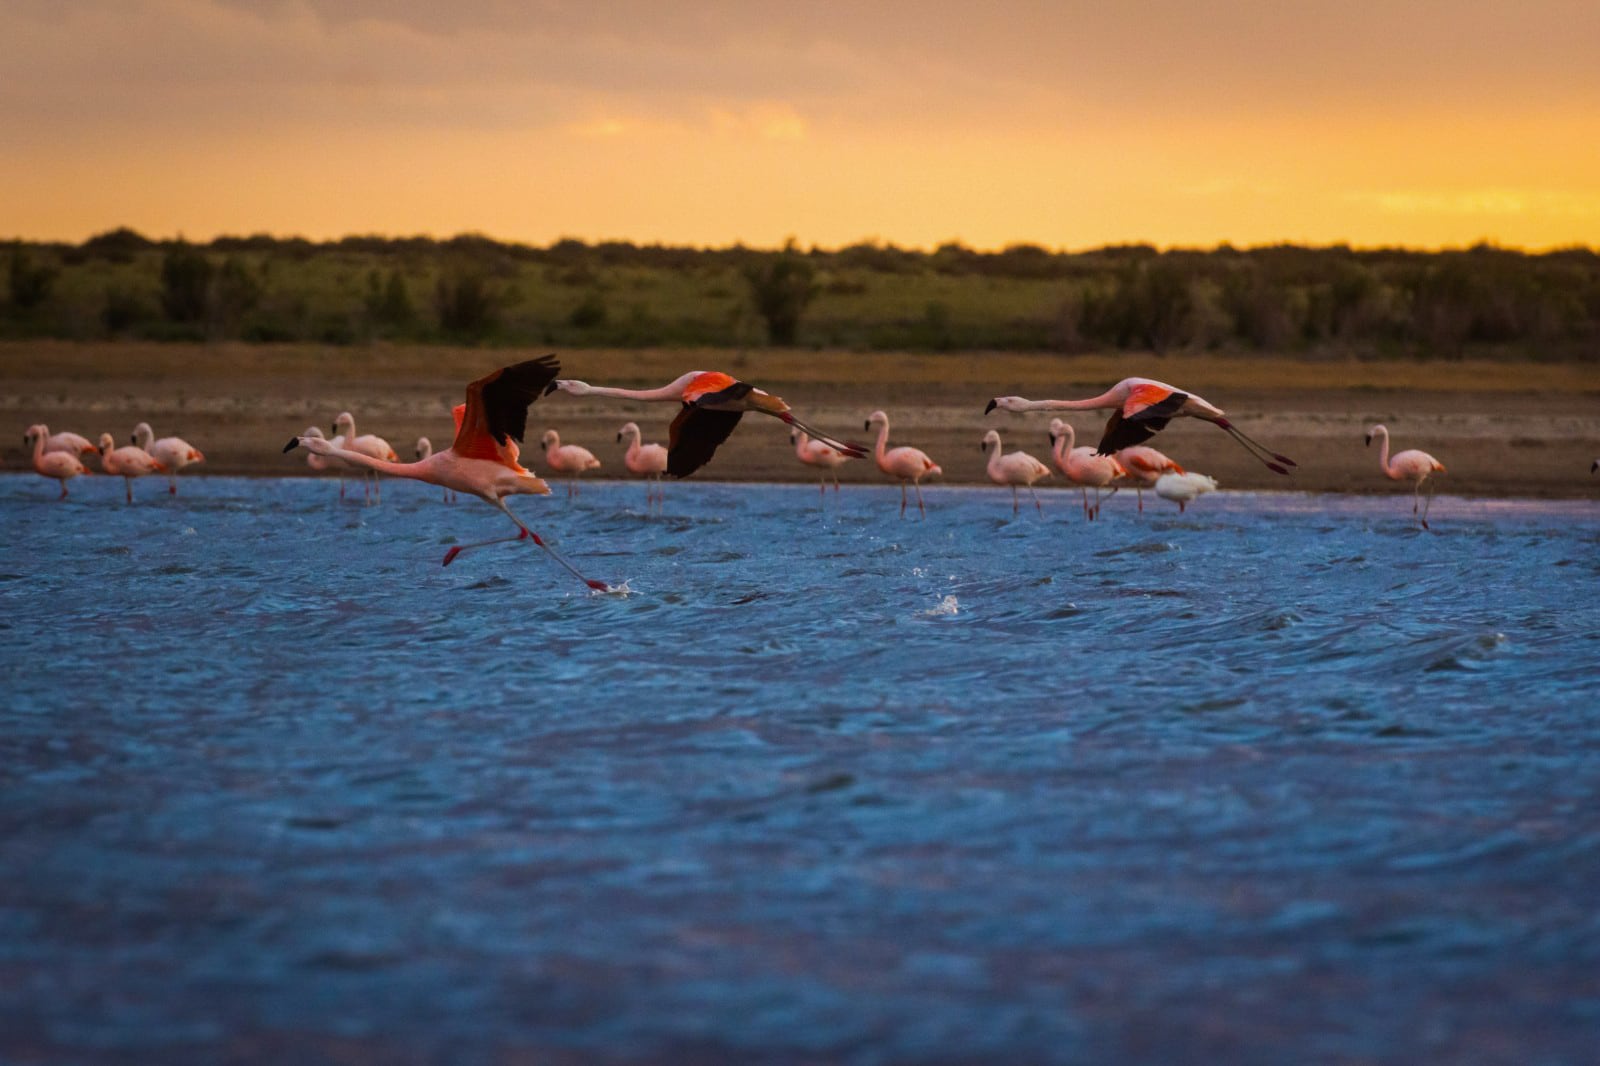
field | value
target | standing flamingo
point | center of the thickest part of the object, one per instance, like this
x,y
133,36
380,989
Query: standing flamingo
x,y
1142,467
63,466
1083,467
903,464
1017,468
712,403
71,443
1139,408
822,456
482,461
368,445
567,459
128,462
174,453
1182,489
423,450
1410,465
649,461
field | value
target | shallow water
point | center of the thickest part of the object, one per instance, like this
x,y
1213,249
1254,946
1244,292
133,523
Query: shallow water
x,y
1283,779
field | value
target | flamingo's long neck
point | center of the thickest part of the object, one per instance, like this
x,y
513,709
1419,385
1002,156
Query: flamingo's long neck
x,y
1064,442
800,442
673,391
1110,398
883,442
422,470
142,436
1383,451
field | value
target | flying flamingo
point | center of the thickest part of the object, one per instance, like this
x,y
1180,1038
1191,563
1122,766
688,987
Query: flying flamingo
x,y
1139,408
127,461
902,464
822,456
1142,467
649,461
1410,465
424,449
1083,467
70,443
173,452
368,445
712,403
63,466
482,461
1181,489
567,458
1017,468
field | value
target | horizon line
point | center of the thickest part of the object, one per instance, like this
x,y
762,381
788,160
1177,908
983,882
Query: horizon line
x,y
877,242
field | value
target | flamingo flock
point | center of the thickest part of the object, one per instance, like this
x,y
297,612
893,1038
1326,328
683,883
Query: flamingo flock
x,y
484,459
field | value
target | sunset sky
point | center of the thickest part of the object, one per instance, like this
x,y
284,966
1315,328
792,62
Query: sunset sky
x,y
1072,125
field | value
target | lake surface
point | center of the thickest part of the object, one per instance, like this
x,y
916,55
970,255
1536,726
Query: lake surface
x,y
1284,779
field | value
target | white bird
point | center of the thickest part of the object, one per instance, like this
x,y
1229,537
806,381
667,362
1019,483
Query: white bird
x,y
815,453
1181,489
1016,468
1083,466
424,449
567,458
1410,465
174,453
648,461
127,462
903,464
367,444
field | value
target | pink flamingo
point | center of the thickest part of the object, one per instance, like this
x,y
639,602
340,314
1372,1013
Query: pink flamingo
x,y
902,464
1410,465
128,462
424,449
648,461
63,466
567,459
1016,468
712,404
483,460
1083,467
71,443
1139,408
822,456
368,445
1182,489
174,453
1142,467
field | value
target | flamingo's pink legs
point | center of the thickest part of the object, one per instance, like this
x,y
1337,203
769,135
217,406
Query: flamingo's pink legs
x,y
523,534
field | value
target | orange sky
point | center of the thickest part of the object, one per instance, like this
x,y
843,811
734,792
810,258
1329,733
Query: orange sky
x,y
1067,124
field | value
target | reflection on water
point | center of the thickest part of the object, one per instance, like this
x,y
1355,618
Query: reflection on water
x,y
1281,779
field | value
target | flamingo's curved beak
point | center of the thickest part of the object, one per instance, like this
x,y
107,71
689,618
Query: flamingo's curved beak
x,y
1369,440
866,425
294,442
619,438
991,407
132,439
1052,437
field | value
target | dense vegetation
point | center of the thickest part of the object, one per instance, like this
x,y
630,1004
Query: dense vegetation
x,y
471,289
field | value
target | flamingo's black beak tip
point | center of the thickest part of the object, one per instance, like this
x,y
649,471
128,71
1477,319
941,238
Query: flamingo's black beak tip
x,y
294,442
1276,469
991,407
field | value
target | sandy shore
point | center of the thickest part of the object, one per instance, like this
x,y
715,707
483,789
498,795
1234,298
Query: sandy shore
x,y
1501,429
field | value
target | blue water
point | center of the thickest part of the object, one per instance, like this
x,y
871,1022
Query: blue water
x,y
1282,780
